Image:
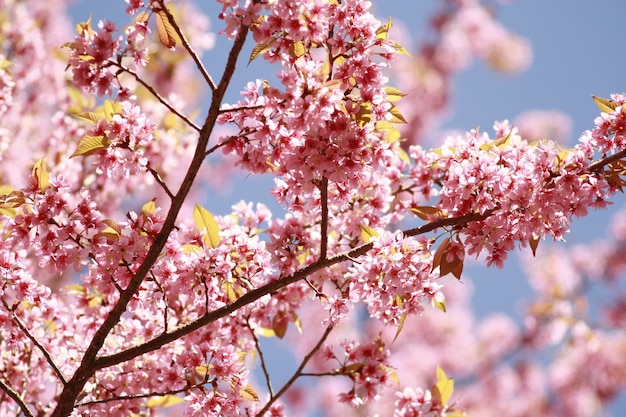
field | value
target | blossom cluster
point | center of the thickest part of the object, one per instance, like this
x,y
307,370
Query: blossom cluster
x,y
203,292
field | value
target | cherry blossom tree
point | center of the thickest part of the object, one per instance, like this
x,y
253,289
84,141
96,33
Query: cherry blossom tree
x,y
121,294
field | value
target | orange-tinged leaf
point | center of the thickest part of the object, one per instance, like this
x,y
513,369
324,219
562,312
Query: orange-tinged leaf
x,y
40,173
534,242
142,17
167,34
440,253
455,266
428,213
604,104
89,145
352,368
205,222
164,401
249,393
280,322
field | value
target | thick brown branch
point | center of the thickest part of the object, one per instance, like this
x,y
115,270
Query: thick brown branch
x,y
254,295
324,223
599,165
89,364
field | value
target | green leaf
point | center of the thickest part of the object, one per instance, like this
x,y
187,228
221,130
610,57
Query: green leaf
x,y
89,145
205,222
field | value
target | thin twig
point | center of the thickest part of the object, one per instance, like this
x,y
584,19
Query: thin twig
x,y
16,397
160,181
297,373
269,288
90,363
266,373
43,350
136,396
324,223
187,46
239,108
156,95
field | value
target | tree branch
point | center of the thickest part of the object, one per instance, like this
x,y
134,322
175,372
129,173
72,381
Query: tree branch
x,y
599,165
266,373
187,46
41,348
324,223
297,373
16,397
269,288
89,364
156,95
